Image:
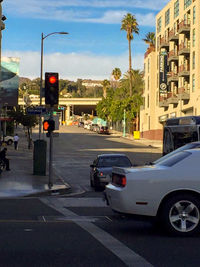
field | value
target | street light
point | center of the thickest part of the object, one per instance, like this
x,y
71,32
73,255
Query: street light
x,y
41,71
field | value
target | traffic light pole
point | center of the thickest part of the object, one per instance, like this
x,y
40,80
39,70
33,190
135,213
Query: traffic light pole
x,y
50,184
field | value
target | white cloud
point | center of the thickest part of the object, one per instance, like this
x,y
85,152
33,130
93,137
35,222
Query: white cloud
x,y
75,65
22,5
77,10
115,17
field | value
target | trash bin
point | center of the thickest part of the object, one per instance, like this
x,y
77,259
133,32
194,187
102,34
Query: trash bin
x,y
39,157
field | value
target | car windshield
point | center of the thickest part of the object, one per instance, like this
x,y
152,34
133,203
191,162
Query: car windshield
x,y
174,158
114,161
185,147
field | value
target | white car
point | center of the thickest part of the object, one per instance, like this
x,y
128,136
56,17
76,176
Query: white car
x,y
8,139
168,190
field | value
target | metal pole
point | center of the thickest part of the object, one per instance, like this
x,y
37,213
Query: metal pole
x,y
124,129
51,153
41,73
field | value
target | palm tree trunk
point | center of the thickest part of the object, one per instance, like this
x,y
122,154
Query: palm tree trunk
x,y
130,66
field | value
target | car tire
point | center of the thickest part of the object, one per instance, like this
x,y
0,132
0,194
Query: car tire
x,y
9,142
91,182
180,215
96,184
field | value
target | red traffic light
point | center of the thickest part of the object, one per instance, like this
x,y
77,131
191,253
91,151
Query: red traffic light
x,y
49,125
52,79
46,125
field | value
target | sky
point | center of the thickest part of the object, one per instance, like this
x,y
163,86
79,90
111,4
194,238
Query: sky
x,y
95,44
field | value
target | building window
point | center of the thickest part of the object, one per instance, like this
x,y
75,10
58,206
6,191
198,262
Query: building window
x,y
159,24
148,83
193,82
176,9
167,17
193,37
187,3
193,60
148,101
194,14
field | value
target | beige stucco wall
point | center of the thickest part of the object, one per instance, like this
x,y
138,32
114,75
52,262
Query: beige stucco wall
x,y
182,108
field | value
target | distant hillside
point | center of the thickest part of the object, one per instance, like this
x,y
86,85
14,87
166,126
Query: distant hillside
x,y
24,80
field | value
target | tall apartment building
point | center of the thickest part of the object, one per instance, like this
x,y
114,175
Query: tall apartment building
x,y
172,69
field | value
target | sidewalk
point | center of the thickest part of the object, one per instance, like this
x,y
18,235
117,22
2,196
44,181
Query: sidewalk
x,y
20,181
146,142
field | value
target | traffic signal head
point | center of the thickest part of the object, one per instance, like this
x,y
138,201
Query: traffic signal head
x,y
49,125
51,88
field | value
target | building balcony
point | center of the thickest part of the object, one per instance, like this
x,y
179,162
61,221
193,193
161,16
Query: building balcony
x,y
173,36
184,93
164,43
171,98
163,102
183,71
173,55
183,49
183,27
172,77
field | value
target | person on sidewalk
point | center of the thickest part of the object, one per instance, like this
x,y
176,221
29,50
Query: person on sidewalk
x,y
16,140
3,158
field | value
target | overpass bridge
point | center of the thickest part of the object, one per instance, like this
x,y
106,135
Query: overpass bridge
x,y
70,106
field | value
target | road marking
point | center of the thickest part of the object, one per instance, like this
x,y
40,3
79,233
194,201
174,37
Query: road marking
x,y
125,254
85,202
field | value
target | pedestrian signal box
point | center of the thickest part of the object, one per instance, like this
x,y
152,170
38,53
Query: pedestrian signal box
x,y
51,88
49,125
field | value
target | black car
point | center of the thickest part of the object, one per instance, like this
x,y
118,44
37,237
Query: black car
x,y
103,130
101,169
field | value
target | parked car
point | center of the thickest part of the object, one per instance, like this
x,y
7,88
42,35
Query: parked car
x,y
93,126
96,128
101,169
81,124
103,130
8,139
168,190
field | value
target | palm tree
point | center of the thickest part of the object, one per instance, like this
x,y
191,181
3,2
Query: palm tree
x,y
117,74
130,25
105,84
150,39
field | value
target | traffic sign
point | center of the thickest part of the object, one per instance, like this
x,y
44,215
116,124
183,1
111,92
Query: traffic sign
x,y
36,110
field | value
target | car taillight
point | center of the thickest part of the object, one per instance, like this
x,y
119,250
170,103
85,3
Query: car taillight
x,y
119,180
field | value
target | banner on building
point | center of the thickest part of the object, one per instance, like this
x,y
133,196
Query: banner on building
x,y
163,68
9,85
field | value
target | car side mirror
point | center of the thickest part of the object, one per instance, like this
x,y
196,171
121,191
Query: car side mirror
x,y
92,166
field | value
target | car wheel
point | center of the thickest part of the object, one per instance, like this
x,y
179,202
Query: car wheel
x,y
91,182
181,215
96,184
9,142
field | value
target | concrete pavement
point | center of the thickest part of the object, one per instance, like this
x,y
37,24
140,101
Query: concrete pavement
x,y
20,181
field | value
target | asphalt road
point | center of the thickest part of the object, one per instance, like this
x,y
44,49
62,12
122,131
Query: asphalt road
x,y
76,148
78,229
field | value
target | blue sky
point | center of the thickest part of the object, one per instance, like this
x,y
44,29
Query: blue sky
x,y
95,45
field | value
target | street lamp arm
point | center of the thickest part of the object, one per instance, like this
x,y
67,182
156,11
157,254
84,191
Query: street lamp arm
x,y
44,37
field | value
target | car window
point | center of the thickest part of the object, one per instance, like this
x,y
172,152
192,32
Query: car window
x,y
114,161
174,159
185,147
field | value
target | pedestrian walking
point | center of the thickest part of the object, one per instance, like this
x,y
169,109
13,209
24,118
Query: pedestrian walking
x,y
4,159
16,140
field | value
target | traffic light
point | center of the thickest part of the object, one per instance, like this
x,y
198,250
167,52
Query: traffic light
x,y
49,125
51,88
